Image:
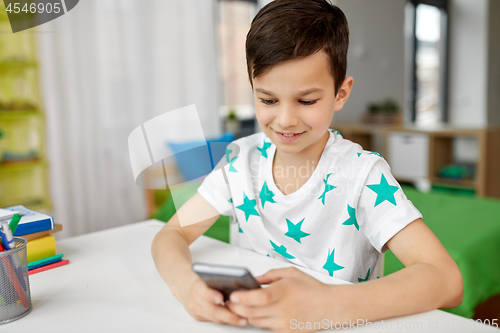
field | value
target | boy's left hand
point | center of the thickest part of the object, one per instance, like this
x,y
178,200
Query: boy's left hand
x,y
292,297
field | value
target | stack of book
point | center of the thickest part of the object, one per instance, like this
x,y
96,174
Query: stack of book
x,y
38,229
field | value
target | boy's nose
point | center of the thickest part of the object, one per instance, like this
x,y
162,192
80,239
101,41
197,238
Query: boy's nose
x,y
287,118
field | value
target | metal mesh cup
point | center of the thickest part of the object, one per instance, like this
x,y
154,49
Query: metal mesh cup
x,y
15,298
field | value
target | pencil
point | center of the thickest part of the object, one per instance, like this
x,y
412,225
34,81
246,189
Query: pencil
x,y
14,280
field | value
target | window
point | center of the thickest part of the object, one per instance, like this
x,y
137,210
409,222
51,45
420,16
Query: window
x,y
234,19
429,61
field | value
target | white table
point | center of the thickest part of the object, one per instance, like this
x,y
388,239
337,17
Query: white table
x,y
111,285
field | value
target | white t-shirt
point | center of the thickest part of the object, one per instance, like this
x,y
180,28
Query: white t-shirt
x,y
336,223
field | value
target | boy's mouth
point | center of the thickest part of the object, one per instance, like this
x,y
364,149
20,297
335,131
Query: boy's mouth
x,y
288,137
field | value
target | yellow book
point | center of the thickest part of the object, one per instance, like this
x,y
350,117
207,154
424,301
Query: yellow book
x,y
41,248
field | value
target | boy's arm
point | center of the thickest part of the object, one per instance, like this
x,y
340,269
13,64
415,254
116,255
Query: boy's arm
x,y
430,280
170,248
172,257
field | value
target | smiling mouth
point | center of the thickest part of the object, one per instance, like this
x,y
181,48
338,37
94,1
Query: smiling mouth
x,y
289,134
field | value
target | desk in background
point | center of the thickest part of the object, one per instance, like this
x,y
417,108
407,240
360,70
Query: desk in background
x,y
111,285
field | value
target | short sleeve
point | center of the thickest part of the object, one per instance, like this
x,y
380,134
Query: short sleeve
x,y
383,209
215,189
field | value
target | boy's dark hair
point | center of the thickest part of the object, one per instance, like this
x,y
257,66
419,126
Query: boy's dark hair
x,y
288,29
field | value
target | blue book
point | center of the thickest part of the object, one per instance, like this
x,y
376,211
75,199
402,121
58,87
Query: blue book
x,y
31,221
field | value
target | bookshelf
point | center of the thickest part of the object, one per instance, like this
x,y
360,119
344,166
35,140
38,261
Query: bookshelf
x,y
440,152
24,168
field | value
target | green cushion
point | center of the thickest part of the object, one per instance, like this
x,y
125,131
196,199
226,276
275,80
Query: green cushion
x,y
219,230
469,229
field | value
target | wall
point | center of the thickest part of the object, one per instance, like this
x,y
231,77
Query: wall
x,y
376,54
468,62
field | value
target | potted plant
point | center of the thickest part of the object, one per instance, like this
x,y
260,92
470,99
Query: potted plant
x,y
386,112
232,122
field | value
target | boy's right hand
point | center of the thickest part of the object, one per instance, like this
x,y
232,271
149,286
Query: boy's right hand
x,y
205,304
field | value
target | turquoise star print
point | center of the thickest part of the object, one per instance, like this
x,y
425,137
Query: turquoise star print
x,y
384,191
264,148
228,151
375,153
337,132
359,154
266,194
231,167
248,207
281,250
294,230
230,200
352,217
327,189
330,265
366,278
239,228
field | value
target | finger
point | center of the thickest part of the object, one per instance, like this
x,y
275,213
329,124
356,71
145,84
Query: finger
x,y
255,297
223,315
264,279
276,274
250,312
208,294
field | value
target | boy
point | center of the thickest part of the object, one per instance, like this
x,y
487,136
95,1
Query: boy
x,y
337,217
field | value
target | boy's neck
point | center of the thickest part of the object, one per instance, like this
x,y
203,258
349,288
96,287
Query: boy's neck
x,y
312,153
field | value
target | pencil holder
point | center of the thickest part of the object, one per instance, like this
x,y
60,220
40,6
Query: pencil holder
x,y
15,298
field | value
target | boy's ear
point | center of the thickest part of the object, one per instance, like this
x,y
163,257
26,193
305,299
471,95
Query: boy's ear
x,y
343,93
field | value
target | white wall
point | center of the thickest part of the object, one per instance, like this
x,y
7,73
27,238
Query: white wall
x,y
468,62
376,54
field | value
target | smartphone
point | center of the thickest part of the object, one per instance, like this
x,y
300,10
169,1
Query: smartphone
x,y
226,279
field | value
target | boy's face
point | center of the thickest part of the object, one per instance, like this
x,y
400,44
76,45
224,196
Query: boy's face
x,y
298,97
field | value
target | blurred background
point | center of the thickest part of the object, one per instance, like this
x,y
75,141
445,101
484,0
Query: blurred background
x,y
426,97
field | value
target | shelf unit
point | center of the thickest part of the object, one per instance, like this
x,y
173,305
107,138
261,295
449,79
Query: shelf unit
x,y
487,180
22,122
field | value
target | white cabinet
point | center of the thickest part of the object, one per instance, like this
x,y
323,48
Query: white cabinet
x,y
409,156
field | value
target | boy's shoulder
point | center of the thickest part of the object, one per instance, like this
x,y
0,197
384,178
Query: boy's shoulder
x,y
252,140
246,149
351,155
251,144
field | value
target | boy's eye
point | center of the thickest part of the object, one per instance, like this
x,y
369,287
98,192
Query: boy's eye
x,y
272,101
268,101
308,102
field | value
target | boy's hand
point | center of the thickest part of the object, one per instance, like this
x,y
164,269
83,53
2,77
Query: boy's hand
x,y
205,304
292,297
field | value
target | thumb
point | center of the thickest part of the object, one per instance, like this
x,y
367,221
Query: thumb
x,y
272,276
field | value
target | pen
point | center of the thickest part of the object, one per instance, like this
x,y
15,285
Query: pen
x,y
14,223
8,242
7,237
3,287
15,282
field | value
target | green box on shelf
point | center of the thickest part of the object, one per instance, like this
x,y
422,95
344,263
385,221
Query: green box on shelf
x,y
453,190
